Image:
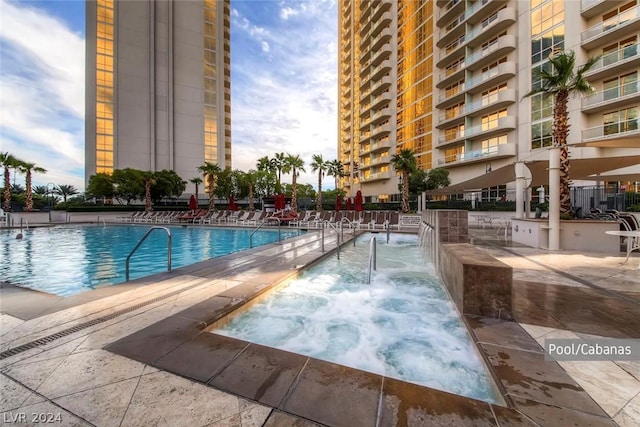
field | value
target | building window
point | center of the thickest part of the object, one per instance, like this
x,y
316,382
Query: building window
x,y
490,146
621,121
492,94
620,86
105,118
542,134
490,121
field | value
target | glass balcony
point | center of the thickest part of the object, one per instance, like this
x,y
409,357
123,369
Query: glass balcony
x,y
612,130
481,56
625,19
608,97
610,62
502,150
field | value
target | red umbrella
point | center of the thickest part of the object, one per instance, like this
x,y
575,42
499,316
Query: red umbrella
x,y
232,205
339,203
358,201
193,203
348,202
281,201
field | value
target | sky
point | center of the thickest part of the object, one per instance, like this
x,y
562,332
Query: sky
x,y
283,84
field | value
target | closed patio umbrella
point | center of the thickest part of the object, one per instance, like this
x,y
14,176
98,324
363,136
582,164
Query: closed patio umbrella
x,y
348,203
193,203
339,203
358,200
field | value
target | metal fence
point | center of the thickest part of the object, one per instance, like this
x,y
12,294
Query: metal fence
x,y
603,197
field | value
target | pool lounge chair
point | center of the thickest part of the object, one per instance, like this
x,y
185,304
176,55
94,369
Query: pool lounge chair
x,y
378,220
247,217
257,218
302,218
393,221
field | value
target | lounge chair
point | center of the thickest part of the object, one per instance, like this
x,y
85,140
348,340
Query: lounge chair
x,y
257,218
378,220
393,221
247,217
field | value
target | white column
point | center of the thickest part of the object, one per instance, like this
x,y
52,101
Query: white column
x,y
424,201
554,198
520,183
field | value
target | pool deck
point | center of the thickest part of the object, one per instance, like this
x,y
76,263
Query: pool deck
x,y
138,354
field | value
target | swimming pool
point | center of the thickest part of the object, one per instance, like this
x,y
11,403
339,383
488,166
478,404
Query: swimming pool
x,y
65,260
403,325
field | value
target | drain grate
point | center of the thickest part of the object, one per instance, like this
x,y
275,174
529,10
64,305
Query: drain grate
x,y
85,325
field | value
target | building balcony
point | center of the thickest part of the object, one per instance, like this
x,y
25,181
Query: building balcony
x,y
451,138
485,31
364,137
490,153
593,8
448,99
380,85
381,54
380,70
365,109
625,130
491,78
504,124
380,8
615,63
451,52
365,57
346,46
380,160
364,122
448,10
378,176
380,99
365,11
365,38
455,29
379,24
381,115
447,120
450,76
608,31
382,38
611,99
481,57
503,98
380,130
374,147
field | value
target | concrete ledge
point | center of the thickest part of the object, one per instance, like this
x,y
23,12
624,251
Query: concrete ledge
x,y
478,283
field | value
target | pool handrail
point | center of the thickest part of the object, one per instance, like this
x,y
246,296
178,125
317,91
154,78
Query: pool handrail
x,y
260,226
372,258
332,225
142,240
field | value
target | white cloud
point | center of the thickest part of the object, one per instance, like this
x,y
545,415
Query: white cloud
x,y
42,86
286,12
265,47
290,103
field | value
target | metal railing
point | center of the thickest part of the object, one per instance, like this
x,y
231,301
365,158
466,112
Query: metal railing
x,y
330,224
351,226
372,258
142,240
271,218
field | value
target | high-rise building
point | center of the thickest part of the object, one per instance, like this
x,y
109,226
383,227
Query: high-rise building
x,y
448,79
158,92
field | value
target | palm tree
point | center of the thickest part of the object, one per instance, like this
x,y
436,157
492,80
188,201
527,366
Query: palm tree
x,y
318,164
65,191
264,164
210,171
404,162
27,169
279,164
148,182
196,181
336,170
250,178
8,161
295,164
561,82
40,190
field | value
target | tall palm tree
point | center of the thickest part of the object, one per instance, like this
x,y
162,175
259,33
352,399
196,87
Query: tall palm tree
x,y
250,178
561,82
8,161
148,182
40,190
65,191
404,162
196,181
336,170
295,164
279,164
210,171
27,168
318,164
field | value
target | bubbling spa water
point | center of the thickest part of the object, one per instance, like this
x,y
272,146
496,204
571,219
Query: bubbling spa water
x,y
402,325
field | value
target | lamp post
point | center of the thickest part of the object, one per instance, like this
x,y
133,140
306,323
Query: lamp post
x,y
50,187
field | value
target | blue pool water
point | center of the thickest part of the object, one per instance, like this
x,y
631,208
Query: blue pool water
x,y
402,325
67,260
